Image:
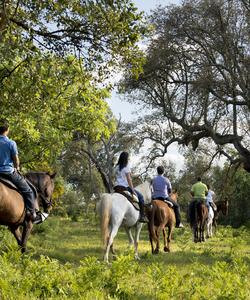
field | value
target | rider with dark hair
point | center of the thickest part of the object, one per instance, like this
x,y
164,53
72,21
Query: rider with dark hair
x,y
123,179
210,198
9,167
199,190
161,189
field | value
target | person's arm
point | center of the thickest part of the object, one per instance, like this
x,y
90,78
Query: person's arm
x,y
206,191
192,192
16,162
169,186
130,183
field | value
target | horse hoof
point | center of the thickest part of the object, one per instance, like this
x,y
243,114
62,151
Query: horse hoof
x,y
166,249
156,251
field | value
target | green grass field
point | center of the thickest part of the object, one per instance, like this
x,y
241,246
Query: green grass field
x,y
64,261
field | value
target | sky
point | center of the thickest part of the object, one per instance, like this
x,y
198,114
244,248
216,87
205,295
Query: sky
x,y
129,112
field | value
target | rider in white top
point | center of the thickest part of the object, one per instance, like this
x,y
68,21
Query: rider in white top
x,y
209,198
121,176
123,179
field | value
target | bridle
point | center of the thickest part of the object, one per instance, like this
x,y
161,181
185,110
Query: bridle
x,y
46,201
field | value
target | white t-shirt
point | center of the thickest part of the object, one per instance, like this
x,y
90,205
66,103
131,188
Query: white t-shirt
x,y
210,196
120,176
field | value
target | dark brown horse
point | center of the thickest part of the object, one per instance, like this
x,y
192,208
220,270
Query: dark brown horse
x,y
12,208
161,216
198,215
222,206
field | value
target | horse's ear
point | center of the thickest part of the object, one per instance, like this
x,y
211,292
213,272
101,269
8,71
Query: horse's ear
x,y
52,175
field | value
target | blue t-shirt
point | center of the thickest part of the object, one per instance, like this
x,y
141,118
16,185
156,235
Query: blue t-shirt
x,y
160,185
8,149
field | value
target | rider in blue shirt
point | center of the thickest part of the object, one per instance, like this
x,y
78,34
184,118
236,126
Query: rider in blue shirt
x,y
9,169
161,190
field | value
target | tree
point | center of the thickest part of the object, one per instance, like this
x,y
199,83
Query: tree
x,y
46,100
103,153
197,74
102,32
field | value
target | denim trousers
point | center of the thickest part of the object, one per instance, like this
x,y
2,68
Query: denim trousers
x,y
23,187
139,195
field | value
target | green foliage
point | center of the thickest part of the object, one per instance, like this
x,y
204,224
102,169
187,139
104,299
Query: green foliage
x,y
72,267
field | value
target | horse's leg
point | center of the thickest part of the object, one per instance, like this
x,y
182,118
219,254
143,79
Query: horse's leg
x,y
112,235
208,229
158,231
27,227
17,234
196,233
209,223
170,231
200,231
136,241
203,224
150,239
165,240
112,249
130,236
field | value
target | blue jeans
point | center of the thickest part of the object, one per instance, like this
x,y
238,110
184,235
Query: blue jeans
x,y
23,187
139,195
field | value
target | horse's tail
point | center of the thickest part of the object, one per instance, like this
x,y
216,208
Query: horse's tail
x,y
152,223
105,209
193,213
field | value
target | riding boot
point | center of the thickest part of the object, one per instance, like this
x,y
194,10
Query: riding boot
x,y
178,217
143,218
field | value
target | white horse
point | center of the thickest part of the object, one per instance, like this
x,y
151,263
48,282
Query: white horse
x,y
210,222
115,210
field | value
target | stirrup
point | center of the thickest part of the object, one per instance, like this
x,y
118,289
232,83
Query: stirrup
x,y
41,217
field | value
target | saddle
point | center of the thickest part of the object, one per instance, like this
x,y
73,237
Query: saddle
x,y
131,198
170,204
12,186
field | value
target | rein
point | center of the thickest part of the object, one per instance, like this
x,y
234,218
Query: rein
x,y
45,201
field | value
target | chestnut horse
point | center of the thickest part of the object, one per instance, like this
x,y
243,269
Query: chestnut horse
x,y
161,216
198,215
222,206
12,208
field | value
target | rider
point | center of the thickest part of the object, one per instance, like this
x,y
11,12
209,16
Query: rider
x,y
209,198
199,190
161,190
9,167
123,179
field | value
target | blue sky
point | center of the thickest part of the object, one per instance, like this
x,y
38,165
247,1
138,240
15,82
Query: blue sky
x,y
148,5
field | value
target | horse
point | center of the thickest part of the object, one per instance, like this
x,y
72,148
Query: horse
x,y
12,207
222,206
115,210
161,216
210,219
198,215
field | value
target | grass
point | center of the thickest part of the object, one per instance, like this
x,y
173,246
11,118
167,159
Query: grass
x,y
71,253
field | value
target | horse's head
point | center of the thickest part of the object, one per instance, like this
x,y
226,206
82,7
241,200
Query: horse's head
x,y
145,189
174,195
224,207
44,183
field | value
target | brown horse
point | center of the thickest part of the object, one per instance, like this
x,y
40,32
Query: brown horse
x,y
161,216
198,215
222,206
12,208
